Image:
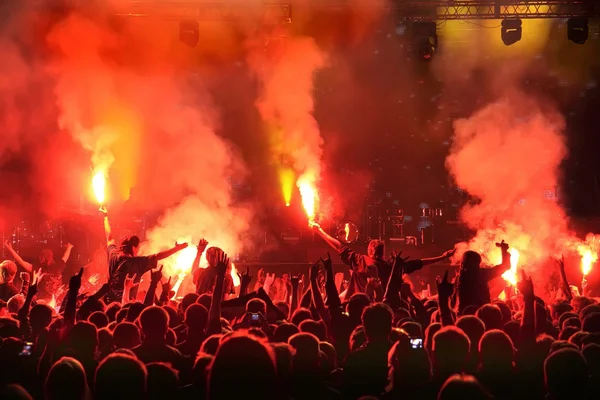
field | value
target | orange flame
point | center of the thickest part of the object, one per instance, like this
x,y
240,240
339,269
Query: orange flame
x,y
99,186
510,276
181,265
309,197
588,258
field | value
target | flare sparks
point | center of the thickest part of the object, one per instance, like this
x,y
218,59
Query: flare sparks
x,y
510,276
309,197
99,186
588,258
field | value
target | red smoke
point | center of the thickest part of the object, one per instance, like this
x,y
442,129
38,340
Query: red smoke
x,y
508,155
286,67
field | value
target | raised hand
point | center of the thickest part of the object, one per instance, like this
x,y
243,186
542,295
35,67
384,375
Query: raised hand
x,y
314,225
560,262
261,276
180,246
156,275
444,287
8,245
269,279
295,280
166,287
314,271
327,263
25,277
129,282
75,281
70,246
37,275
222,263
245,278
103,211
449,253
202,244
503,246
525,286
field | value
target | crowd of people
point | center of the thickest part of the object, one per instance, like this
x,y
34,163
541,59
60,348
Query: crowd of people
x,y
372,339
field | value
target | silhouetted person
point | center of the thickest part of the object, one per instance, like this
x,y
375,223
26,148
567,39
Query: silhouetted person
x,y
163,381
66,381
154,348
366,369
463,387
124,261
120,377
206,278
497,370
451,349
373,264
8,270
566,375
196,320
472,281
243,364
410,371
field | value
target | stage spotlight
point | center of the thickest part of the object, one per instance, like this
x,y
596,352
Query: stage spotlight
x,y
577,30
189,32
425,39
511,31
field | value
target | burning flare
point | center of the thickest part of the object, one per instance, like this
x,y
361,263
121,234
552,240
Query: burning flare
x,y
99,186
309,197
588,258
181,263
510,276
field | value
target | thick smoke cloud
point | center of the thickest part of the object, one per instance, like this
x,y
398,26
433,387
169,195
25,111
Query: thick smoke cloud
x,y
507,155
286,69
124,97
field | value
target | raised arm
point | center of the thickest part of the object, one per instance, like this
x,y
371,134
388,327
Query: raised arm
x,y
330,240
168,253
433,260
564,283
67,253
201,247
28,267
110,240
445,291
214,314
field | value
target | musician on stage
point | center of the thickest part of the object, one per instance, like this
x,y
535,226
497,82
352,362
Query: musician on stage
x,y
372,265
51,270
124,260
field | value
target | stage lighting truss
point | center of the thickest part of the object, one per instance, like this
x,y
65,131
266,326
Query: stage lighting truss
x,y
280,13
441,10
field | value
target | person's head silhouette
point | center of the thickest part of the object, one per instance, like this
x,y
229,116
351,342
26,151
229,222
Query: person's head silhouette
x,y
155,324
377,322
120,377
243,363
66,381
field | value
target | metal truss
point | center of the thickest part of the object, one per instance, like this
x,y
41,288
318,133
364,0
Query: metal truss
x,y
478,9
281,13
277,13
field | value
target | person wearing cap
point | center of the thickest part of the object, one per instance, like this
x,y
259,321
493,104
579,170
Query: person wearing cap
x,y
8,270
124,260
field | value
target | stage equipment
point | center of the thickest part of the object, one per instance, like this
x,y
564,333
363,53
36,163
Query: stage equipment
x,y
577,30
347,233
395,218
425,39
270,13
511,31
